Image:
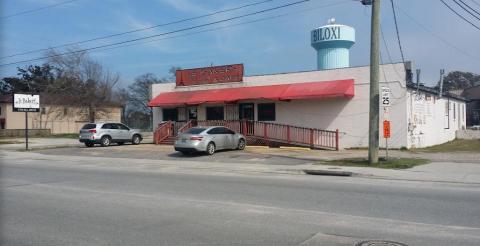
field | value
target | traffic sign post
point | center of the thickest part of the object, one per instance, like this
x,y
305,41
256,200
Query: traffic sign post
x,y
385,97
386,135
385,103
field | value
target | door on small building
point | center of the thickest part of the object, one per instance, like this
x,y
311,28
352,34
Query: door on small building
x,y
246,112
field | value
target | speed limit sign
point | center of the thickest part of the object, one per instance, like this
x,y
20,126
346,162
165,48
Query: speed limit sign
x,y
385,99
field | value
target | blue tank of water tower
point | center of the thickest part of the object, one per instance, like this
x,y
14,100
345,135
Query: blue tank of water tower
x,y
333,42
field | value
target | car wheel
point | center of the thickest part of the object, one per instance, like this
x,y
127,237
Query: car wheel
x,y
241,144
210,148
89,144
135,139
106,141
120,143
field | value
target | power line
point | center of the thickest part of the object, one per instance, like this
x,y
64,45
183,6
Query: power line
x,y
228,26
398,33
475,2
436,35
139,29
459,15
160,34
37,9
466,10
470,7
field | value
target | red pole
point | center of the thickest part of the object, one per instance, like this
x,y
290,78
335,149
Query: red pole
x,y
336,140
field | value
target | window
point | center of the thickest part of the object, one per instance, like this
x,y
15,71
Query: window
x,y
228,131
216,130
266,112
122,127
215,113
65,111
195,130
0,110
170,114
89,126
109,126
43,110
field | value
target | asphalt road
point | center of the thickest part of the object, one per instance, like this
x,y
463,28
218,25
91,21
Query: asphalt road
x,y
62,204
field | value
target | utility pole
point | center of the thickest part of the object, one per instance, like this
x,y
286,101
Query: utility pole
x,y
373,133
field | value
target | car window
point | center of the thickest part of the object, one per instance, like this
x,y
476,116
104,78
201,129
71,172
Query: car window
x,y
195,130
107,126
114,126
222,130
122,127
89,126
216,130
228,131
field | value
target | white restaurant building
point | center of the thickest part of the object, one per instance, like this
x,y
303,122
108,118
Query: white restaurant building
x,y
335,97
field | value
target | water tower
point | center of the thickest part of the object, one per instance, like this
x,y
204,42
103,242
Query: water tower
x,y
333,42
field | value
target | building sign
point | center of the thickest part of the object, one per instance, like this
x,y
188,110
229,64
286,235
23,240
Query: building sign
x,y
326,33
210,75
26,103
386,129
385,99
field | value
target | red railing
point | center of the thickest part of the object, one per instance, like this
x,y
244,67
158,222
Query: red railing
x,y
163,131
311,137
188,125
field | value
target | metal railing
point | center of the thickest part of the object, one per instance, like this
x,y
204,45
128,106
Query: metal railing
x,y
163,131
294,135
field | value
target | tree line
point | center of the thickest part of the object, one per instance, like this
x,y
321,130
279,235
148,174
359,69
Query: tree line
x,y
77,80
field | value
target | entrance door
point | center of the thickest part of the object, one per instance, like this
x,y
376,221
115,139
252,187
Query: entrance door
x,y
246,111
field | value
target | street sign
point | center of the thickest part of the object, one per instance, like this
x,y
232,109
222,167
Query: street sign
x,y
386,129
26,103
385,97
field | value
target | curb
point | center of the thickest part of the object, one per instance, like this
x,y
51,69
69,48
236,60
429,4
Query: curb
x,y
295,148
328,173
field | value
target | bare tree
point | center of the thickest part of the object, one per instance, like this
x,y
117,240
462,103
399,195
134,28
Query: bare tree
x,y
82,82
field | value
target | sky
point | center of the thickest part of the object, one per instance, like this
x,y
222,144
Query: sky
x,y
277,41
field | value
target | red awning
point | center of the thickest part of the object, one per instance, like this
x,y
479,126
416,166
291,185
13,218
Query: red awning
x,y
309,90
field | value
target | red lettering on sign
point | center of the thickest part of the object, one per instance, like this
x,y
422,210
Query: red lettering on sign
x,y
210,75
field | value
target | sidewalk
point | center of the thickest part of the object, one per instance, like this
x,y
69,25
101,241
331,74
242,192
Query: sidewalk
x,y
39,143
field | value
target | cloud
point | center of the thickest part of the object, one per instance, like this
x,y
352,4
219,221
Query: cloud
x,y
134,23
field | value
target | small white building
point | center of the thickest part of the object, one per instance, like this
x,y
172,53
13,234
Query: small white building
x,y
335,97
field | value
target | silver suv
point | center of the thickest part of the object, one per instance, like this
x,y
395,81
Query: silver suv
x,y
107,133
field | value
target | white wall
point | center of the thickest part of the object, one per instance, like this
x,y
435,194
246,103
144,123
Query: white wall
x,y
429,120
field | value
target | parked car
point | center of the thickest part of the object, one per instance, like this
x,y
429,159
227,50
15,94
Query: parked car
x,y
209,140
107,133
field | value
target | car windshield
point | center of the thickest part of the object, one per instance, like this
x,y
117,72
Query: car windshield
x,y
195,130
89,126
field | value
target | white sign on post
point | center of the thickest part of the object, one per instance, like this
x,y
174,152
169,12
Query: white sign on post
x,y
385,99
26,103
